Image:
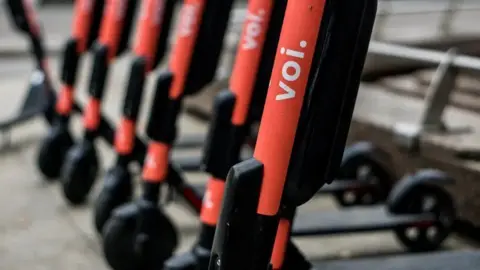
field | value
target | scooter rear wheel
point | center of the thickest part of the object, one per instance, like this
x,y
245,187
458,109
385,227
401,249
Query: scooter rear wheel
x,y
427,237
368,172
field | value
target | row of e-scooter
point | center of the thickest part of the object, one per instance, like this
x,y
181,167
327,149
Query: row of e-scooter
x,y
296,73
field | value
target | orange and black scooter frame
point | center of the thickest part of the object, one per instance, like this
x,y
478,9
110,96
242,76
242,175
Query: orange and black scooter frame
x,y
40,95
80,165
139,234
40,98
314,84
118,186
87,14
230,124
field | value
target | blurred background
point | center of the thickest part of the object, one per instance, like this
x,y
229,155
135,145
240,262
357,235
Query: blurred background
x,y
415,102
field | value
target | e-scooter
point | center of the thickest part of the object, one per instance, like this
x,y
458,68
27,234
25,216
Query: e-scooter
x,y
40,97
138,234
80,165
264,192
118,186
86,17
231,122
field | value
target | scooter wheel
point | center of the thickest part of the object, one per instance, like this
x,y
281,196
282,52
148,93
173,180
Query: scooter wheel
x,y
361,162
117,190
79,172
425,199
138,236
52,152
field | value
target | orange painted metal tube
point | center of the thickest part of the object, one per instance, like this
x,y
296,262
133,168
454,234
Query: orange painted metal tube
x,y
148,29
187,32
82,19
112,25
285,98
248,57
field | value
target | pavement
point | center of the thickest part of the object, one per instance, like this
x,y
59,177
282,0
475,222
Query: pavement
x,y
38,230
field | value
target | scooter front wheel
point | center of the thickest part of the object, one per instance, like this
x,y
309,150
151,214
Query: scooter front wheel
x,y
117,190
52,152
138,237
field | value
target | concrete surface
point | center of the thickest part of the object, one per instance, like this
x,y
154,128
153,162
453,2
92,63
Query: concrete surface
x,y
39,231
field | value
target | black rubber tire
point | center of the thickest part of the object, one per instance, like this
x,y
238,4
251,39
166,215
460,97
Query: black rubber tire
x,y
381,188
79,174
116,191
444,211
119,239
52,153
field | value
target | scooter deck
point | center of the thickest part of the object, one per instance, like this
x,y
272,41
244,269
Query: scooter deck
x,y
189,163
327,189
190,141
443,260
374,218
343,185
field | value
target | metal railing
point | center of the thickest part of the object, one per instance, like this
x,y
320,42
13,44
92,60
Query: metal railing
x,y
447,9
449,64
438,96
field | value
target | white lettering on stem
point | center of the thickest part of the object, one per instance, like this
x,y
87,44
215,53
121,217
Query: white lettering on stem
x,y
291,71
253,29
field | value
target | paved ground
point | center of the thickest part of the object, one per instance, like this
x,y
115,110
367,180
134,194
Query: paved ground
x,y
38,230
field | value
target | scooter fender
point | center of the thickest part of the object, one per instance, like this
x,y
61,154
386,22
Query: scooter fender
x,y
361,151
430,177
